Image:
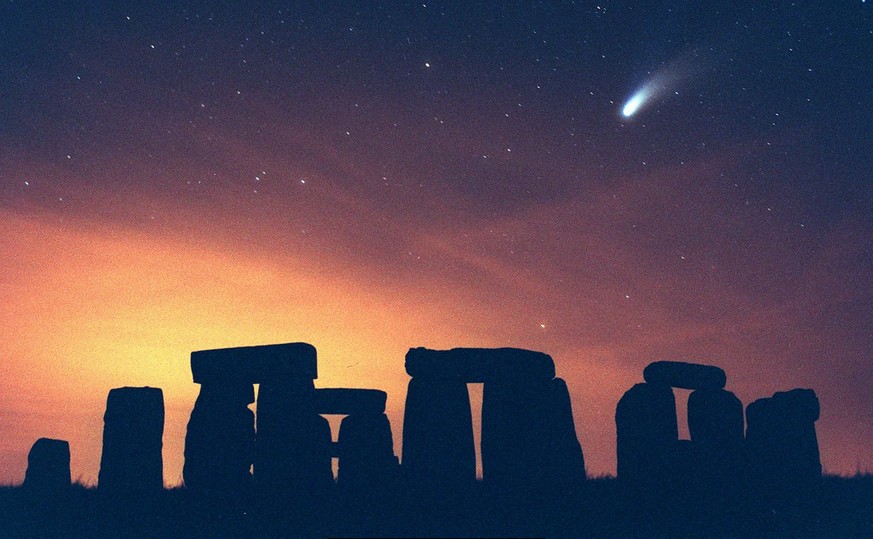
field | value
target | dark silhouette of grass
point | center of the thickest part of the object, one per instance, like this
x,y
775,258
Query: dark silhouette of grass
x,y
597,508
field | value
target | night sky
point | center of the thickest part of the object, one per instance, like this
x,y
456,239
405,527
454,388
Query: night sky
x,y
370,177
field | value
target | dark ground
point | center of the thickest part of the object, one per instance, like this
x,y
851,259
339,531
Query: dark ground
x,y
596,509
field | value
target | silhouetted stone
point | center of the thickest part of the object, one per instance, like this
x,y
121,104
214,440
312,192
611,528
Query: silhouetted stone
x,y
715,419
255,364
476,365
566,460
800,404
366,451
783,448
48,468
350,401
647,435
684,375
219,444
133,429
293,441
438,432
528,434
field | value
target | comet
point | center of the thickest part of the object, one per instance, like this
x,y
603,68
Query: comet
x,y
664,81
655,88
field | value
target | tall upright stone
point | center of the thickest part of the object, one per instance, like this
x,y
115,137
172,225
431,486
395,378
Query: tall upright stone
x,y
528,433
133,429
293,441
715,419
715,422
566,462
48,468
220,441
782,447
438,432
366,451
647,435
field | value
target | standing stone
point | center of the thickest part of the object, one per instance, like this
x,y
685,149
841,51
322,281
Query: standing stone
x,y
647,435
684,375
715,421
366,451
219,444
293,440
783,448
565,458
133,429
528,434
438,432
48,468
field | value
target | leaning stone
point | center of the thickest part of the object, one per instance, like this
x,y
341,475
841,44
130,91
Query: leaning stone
x,y
255,364
350,401
132,441
476,365
684,375
48,467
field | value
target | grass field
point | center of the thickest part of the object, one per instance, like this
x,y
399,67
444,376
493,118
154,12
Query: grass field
x,y
598,508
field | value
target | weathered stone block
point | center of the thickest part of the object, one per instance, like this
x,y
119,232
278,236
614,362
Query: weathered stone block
x,y
293,448
255,364
132,441
475,365
366,451
438,432
528,434
647,434
219,444
715,418
48,467
685,375
782,447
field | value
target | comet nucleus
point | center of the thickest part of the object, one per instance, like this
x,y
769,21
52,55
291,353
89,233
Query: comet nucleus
x,y
633,104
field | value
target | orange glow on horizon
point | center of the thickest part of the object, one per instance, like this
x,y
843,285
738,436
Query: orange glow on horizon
x,y
92,310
